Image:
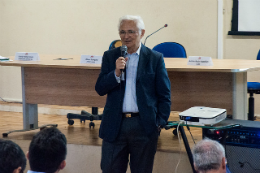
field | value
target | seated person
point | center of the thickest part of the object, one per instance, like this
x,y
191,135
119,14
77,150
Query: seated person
x,y
12,158
47,151
209,157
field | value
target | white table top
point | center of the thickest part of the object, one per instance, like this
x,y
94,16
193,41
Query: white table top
x,y
172,64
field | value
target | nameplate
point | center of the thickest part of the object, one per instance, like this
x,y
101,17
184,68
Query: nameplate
x,y
200,61
27,56
90,59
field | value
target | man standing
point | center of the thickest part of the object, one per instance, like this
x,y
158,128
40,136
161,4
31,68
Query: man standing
x,y
138,101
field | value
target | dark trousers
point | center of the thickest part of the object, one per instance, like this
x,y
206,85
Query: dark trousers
x,y
132,144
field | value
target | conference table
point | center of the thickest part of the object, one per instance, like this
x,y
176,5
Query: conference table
x,y
63,80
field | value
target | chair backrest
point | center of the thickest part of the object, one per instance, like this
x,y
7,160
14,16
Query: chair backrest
x,y
227,169
115,44
258,55
171,49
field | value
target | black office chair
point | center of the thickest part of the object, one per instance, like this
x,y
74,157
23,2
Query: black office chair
x,y
252,88
85,116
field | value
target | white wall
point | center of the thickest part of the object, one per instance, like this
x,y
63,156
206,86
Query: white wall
x,y
87,26
238,47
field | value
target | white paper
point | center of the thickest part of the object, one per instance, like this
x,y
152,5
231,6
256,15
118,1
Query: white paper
x,y
90,59
3,58
200,61
27,56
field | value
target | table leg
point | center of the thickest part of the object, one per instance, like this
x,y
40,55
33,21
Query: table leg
x,y
30,111
30,116
240,96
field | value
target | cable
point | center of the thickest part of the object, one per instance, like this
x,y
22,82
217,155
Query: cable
x,y
180,146
3,99
8,102
190,132
243,163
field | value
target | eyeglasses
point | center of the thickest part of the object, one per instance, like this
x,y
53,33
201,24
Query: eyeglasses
x,y
129,32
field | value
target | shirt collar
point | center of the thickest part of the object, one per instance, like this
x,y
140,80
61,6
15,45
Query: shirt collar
x,y
29,171
138,50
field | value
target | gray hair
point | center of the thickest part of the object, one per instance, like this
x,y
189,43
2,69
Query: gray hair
x,y
207,155
137,19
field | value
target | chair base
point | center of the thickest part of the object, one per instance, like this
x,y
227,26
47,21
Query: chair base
x,y
85,116
41,128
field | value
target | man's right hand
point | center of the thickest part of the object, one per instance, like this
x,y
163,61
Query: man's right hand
x,y
120,65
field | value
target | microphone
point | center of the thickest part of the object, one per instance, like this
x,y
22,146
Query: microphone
x,y
123,50
123,53
155,32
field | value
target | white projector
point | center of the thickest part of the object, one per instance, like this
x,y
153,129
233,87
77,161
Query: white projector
x,y
203,116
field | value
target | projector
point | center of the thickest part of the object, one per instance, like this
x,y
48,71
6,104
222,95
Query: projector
x,y
203,116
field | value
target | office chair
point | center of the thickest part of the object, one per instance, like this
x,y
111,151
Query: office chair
x,y
115,44
171,49
85,116
252,88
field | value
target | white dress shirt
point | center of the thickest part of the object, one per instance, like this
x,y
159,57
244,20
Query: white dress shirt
x,y
130,101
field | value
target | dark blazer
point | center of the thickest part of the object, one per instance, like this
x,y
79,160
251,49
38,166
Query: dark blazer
x,y
152,92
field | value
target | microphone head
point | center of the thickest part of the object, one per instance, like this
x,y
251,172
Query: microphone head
x,y
165,25
123,48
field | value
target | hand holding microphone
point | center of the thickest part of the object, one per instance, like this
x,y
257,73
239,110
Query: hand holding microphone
x,y
121,61
120,65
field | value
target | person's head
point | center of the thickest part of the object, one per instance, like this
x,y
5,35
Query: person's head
x,y
12,158
47,151
131,30
209,157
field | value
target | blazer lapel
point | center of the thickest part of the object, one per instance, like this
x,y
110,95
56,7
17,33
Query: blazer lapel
x,y
143,60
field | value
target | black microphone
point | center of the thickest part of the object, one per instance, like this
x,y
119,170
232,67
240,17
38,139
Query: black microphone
x,y
123,50
123,53
155,32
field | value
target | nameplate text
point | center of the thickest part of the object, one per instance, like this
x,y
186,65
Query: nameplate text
x,y
90,59
200,61
27,56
